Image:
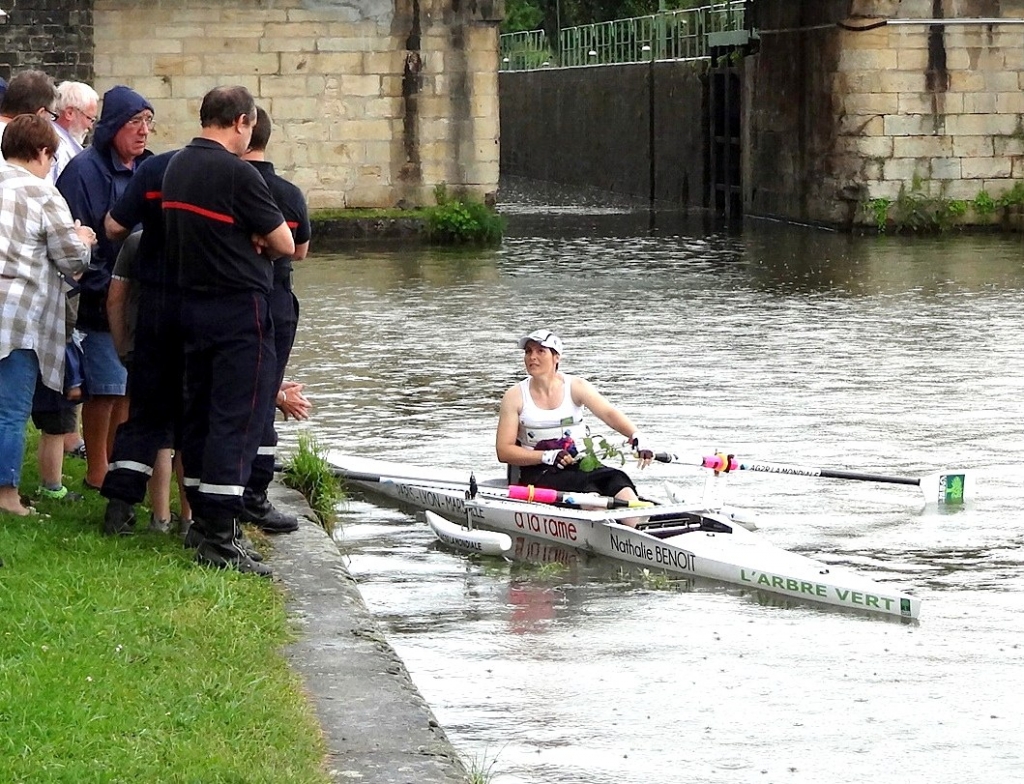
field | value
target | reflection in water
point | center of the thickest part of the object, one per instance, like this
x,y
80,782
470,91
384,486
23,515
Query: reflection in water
x,y
892,355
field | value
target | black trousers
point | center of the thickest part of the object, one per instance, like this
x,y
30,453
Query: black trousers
x,y
284,311
155,405
230,369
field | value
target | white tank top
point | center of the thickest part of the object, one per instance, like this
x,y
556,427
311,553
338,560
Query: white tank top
x,y
538,424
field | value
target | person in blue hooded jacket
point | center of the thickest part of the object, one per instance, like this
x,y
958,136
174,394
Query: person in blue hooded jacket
x,y
91,183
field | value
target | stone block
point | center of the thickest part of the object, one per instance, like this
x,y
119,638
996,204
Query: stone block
x,y
912,125
966,82
870,103
369,195
867,59
193,86
861,125
293,109
176,65
383,63
987,168
280,44
296,86
979,103
1009,102
980,124
916,103
357,131
359,85
152,87
865,146
921,146
1006,146
1001,81
127,66
247,64
383,107
905,169
912,60
329,63
946,168
902,81
226,46
304,132
345,44
973,146
150,46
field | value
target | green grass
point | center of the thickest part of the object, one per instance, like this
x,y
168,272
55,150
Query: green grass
x,y
309,472
122,661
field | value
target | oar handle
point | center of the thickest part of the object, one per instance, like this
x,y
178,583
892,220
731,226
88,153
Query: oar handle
x,y
544,495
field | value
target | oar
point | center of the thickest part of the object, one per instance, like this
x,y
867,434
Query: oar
x,y
952,486
544,495
540,495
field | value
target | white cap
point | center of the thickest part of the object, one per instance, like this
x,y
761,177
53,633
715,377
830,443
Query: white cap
x,y
545,337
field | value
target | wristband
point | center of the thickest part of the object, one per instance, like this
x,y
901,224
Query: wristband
x,y
549,456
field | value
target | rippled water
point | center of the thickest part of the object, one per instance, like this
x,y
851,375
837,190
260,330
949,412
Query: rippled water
x,y
891,355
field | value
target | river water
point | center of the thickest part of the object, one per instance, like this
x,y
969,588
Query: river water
x,y
888,355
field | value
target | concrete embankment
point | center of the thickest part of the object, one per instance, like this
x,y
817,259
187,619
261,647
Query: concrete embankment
x,y
376,726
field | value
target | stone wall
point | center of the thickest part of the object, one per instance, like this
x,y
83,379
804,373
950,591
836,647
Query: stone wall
x,y
48,35
839,115
592,127
374,102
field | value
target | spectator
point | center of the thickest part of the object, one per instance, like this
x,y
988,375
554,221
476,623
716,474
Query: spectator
x,y
39,241
123,312
29,92
284,311
92,182
222,229
77,106
143,441
56,414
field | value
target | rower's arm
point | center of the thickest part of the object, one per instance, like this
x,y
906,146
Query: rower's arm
x,y
505,445
584,393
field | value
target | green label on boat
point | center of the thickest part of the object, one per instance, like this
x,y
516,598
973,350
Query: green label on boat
x,y
952,488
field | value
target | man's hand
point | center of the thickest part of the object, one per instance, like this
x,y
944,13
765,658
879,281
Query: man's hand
x,y
292,402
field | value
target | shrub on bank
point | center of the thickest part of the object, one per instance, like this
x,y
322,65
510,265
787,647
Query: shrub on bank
x,y
462,220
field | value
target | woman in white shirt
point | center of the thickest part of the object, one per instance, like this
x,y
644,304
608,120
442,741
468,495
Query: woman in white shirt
x,y
541,428
38,241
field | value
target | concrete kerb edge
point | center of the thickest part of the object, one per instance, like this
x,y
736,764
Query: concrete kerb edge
x,y
376,725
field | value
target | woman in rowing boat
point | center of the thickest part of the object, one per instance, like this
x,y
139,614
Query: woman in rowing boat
x,y
540,426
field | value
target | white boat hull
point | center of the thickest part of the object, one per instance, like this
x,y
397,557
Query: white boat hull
x,y
679,540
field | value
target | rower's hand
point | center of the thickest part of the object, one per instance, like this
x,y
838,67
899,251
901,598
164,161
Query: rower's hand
x,y
644,453
559,458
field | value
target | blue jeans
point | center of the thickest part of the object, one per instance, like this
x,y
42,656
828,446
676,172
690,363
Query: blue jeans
x,y
18,371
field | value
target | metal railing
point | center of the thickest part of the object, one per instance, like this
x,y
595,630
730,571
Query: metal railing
x,y
670,35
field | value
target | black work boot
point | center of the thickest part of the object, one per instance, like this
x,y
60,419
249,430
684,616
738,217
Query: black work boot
x,y
257,510
194,537
119,519
220,548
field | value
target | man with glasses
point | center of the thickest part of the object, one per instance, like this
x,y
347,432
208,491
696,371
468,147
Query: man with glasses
x,y
76,110
29,92
92,182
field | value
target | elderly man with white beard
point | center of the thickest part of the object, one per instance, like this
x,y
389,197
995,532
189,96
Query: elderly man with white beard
x,y
77,109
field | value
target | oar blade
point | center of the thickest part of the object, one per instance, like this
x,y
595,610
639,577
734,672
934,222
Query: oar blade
x,y
949,487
